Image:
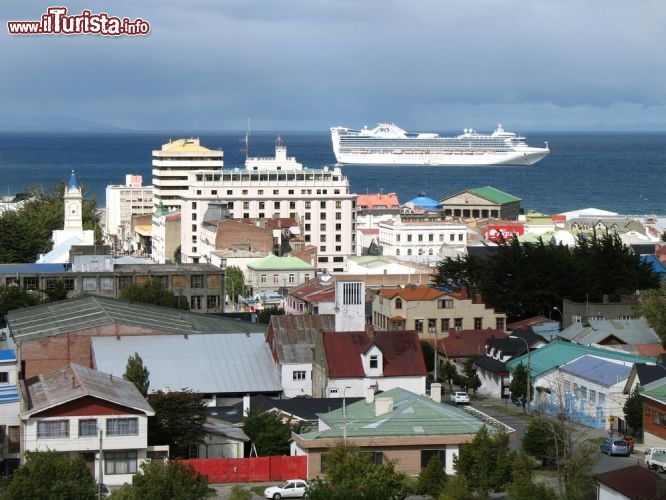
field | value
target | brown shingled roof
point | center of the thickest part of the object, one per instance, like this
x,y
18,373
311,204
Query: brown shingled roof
x,y
465,343
634,482
412,292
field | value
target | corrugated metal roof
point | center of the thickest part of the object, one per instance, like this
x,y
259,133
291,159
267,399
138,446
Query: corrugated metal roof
x,y
211,364
295,335
72,315
599,370
74,382
411,414
558,353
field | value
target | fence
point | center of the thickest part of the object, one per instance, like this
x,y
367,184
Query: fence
x,y
250,470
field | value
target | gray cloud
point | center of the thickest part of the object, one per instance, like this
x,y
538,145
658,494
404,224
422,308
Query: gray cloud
x,y
297,64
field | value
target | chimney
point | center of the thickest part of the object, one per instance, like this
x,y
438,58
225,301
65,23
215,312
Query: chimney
x,y
478,299
246,405
436,392
383,405
463,292
370,395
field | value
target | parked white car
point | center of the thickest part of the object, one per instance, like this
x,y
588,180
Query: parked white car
x,y
292,488
460,397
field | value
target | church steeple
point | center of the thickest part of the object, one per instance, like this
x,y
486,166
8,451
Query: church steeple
x,y
73,203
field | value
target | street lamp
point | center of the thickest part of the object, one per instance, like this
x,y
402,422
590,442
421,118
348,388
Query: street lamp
x,y
561,317
101,465
529,370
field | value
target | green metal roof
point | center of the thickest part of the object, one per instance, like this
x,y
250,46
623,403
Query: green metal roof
x,y
274,263
492,194
558,353
655,390
412,416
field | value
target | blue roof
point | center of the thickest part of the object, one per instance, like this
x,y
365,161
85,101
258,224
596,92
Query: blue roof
x,y
424,202
657,266
7,355
72,182
35,268
598,370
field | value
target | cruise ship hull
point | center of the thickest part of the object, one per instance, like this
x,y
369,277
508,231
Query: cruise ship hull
x,y
388,144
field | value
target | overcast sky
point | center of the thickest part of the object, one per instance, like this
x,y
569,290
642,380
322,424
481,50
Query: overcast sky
x,y
212,65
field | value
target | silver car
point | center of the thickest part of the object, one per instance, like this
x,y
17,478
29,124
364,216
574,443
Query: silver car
x,y
615,446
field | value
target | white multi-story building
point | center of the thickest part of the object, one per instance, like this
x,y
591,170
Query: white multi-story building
x,y
407,238
124,201
273,188
172,165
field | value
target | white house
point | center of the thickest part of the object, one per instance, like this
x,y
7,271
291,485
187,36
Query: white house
x,y
78,409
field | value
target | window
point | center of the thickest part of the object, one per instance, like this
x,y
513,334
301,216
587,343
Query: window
x,y
48,429
195,302
30,283
398,303
418,325
478,323
89,283
68,283
292,278
445,304
122,426
263,278
120,462
445,324
374,361
276,278
213,301
499,323
426,455
197,281
87,427
298,375
458,323
4,377
432,326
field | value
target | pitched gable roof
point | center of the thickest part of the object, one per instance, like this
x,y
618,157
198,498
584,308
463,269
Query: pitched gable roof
x,y
75,382
466,343
412,415
493,194
634,482
401,353
295,335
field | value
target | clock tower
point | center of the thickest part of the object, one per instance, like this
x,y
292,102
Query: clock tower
x,y
73,202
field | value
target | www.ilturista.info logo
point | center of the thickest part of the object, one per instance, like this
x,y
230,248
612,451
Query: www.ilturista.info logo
x,y
57,22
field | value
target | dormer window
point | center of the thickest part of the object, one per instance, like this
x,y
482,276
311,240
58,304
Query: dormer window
x,y
374,361
398,303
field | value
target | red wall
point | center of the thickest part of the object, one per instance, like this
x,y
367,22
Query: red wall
x,y
250,470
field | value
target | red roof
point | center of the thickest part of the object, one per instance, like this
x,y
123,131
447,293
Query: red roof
x,y
401,352
389,200
465,343
633,481
411,292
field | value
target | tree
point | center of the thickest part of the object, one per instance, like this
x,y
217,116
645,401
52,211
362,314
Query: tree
x,y
428,355
633,411
178,421
40,214
52,475
530,279
351,475
169,479
432,477
269,434
234,283
518,385
137,373
652,306
547,440
450,374
522,485
578,480
15,297
485,462
471,379
152,292
264,316
58,292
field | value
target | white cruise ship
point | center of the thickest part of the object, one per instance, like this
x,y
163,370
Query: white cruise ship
x,y
388,144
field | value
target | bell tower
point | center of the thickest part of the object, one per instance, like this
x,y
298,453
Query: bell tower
x,y
73,203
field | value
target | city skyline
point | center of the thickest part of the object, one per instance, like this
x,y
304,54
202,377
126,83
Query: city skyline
x,y
299,65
